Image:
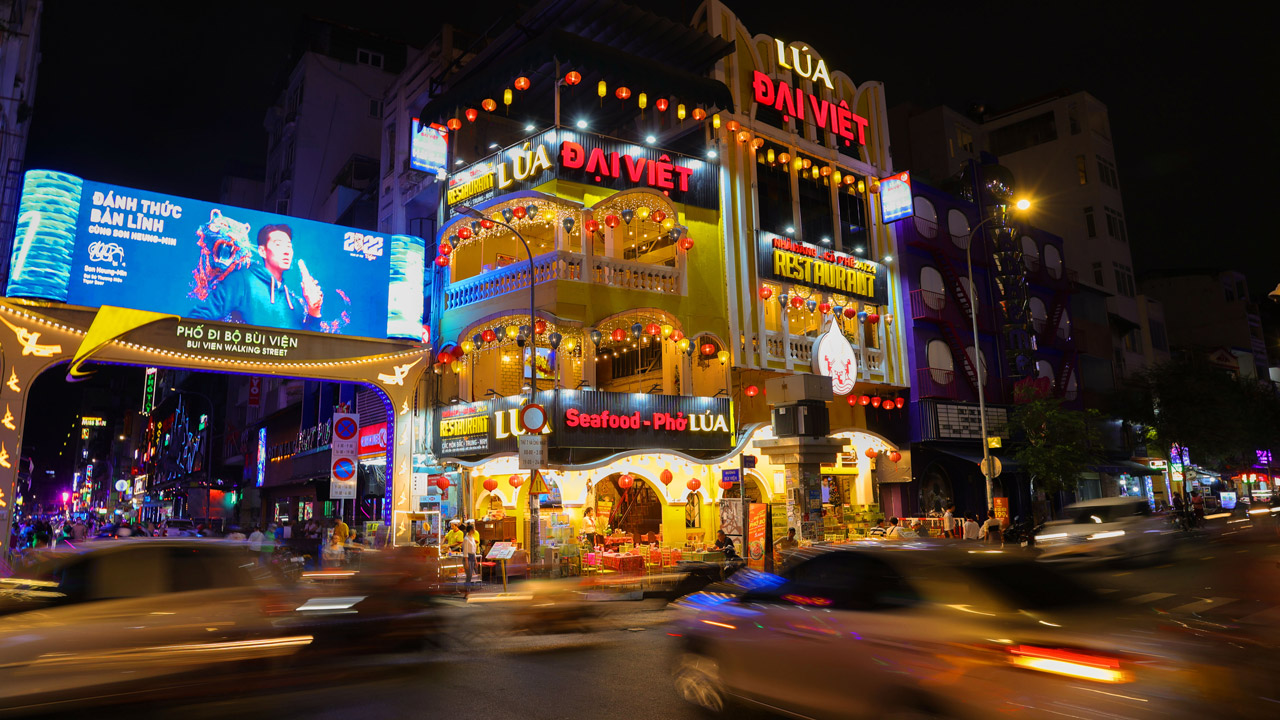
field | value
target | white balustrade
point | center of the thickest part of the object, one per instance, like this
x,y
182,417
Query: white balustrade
x,y
562,265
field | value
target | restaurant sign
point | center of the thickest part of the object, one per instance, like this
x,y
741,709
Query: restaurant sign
x,y
786,260
588,419
839,118
583,157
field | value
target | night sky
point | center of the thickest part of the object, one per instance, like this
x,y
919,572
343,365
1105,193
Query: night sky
x,y
137,94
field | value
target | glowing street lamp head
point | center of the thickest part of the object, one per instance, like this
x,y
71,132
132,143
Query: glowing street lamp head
x,y
1023,204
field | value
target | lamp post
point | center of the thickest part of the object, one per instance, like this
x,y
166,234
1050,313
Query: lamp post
x,y
471,212
978,360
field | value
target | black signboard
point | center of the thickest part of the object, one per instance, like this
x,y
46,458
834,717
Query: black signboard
x,y
588,419
786,260
590,159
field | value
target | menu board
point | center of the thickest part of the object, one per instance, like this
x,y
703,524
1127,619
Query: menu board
x,y
757,521
603,509
501,551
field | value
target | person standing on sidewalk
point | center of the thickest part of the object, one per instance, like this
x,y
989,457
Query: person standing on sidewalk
x,y
469,546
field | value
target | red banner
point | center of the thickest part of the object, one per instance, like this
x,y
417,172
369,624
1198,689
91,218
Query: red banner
x,y
757,520
255,391
373,440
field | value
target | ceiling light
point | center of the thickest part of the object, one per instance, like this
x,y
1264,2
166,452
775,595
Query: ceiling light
x,y
650,139
458,161
888,258
790,230
859,249
582,124
528,128
826,240
711,154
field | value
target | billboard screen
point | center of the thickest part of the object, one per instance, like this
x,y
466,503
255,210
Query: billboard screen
x,y
895,197
89,243
428,147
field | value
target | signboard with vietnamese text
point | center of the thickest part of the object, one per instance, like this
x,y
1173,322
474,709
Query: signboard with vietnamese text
x,y
428,147
793,102
786,260
895,197
588,419
757,524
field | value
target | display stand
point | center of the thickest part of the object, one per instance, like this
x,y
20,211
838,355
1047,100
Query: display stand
x,y
502,552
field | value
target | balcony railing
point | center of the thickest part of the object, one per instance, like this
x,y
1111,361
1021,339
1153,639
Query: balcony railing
x,y
936,383
562,265
796,347
927,305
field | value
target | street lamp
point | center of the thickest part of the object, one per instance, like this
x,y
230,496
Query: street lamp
x,y
1023,205
473,213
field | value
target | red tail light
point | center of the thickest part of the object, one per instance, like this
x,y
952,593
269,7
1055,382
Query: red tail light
x,y
1072,663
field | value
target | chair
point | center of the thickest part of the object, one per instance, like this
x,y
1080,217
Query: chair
x,y
652,560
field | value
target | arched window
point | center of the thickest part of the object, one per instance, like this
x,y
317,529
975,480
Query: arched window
x,y
926,218
1053,261
693,511
941,363
1030,253
958,226
935,291
1039,315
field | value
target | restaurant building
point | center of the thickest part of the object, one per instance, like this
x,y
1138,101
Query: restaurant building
x,y
702,210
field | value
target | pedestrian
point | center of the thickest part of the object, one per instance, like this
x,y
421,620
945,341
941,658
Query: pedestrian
x,y
255,541
725,545
948,521
920,530
470,542
878,530
787,543
990,529
268,544
894,531
1197,507
971,528
341,532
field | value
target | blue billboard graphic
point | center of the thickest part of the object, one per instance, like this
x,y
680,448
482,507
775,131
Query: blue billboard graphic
x,y
895,197
89,243
429,147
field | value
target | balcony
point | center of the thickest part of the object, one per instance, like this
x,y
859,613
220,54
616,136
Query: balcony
x,y
798,349
928,305
936,383
569,266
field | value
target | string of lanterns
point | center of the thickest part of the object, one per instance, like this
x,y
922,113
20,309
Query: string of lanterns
x,y
877,402
796,302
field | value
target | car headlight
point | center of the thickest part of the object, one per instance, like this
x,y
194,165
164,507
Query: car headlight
x,y
1106,535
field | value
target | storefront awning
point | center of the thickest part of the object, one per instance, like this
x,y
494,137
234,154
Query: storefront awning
x,y
1006,462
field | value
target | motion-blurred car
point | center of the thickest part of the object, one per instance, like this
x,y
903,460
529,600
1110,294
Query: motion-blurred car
x,y
913,631
113,617
1116,528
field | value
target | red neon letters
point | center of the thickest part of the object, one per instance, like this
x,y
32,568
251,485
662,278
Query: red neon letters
x,y
660,173
839,119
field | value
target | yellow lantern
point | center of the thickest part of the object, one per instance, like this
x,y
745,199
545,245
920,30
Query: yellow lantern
x,y
835,177
862,187
468,347
680,111
683,344
456,366
769,156
642,213
643,100
512,332
569,344
668,223
602,89
813,172
798,164
497,217
715,121
506,96
666,331
723,356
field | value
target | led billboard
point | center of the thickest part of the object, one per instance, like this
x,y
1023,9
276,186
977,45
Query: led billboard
x,y
89,243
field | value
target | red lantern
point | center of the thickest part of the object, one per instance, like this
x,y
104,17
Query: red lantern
x,y
442,261
592,226
573,78
612,221
875,402
850,313
657,216
489,336
886,403
522,83
519,212
622,93
686,243
708,349
662,104
693,484
824,307
900,402
873,318
666,477
796,301
444,357
464,233
516,481
871,452
853,399
699,114
442,482
489,104
652,329
726,484
864,401
752,391
676,336
626,481
540,326
445,248
486,223
454,124
490,484
618,335
895,456
472,114
766,292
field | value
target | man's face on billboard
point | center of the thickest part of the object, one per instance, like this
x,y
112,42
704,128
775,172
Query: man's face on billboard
x,y
277,251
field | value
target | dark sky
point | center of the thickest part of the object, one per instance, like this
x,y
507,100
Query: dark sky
x,y
143,95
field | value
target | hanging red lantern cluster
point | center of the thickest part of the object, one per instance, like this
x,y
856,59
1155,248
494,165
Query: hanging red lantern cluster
x,y
726,484
666,477
442,261
519,212
471,114
686,243
872,452
612,221
751,391
442,482
864,400
622,93
618,335
824,307
592,226
489,104
657,216
540,326
875,402
662,104
626,481
899,403
850,313
486,224
464,233
796,301
489,336
445,248
895,456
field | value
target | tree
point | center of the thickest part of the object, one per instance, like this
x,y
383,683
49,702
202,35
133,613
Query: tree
x,y
1057,443
1221,417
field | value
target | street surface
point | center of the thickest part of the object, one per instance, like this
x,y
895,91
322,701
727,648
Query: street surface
x,y
623,669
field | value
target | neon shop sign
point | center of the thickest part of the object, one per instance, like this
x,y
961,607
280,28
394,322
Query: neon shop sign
x,y
668,422
803,106
661,173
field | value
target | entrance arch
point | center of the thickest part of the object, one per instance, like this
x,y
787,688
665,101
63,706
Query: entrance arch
x,y
636,510
35,338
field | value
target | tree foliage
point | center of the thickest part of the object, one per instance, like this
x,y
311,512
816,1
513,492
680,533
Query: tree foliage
x,y
1057,443
1222,418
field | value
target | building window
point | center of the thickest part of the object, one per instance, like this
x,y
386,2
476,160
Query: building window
x,y
1073,118
1158,339
1089,225
368,57
282,207
853,223
1107,173
1024,134
1124,279
1080,170
391,149
1097,275
966,139
1133,340
773,194
1115,225
816,212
